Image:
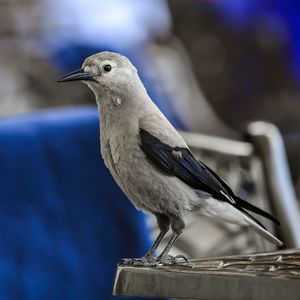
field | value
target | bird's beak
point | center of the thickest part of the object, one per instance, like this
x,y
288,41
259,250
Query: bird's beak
x,y
76,75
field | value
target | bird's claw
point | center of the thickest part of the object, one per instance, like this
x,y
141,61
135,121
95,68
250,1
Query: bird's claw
x,y
171,260
151,261
144,261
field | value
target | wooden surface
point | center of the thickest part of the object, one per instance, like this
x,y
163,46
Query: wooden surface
x,y
261,276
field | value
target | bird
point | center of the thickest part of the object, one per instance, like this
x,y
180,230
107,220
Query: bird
x,y
151,162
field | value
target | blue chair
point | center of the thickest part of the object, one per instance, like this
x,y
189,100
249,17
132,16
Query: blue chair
x,y
64,223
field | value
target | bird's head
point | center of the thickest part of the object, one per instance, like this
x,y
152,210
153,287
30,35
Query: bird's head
x,y
105,72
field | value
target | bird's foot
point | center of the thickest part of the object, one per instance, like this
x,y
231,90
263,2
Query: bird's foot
x,y
145,261
151,261
170,260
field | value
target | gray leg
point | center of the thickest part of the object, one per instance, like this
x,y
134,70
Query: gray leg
x,y
171,242
177,225
163,222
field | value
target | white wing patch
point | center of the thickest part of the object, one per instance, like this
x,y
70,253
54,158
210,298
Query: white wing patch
x,y
228,197
222,210
177,154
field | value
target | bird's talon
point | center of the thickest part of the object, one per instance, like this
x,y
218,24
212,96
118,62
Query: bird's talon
x,y
147,260
170,260
181,257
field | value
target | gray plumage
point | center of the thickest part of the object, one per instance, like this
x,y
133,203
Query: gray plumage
x,y
149,159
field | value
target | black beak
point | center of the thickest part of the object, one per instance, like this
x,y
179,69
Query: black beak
x,y
76,75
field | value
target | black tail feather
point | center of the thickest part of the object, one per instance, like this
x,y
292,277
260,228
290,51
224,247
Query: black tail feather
x,y
251,217
246,205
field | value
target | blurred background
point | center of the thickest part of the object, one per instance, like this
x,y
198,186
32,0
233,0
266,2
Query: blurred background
x,y
245,56
211,66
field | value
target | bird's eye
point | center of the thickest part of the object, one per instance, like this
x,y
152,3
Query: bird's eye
x,y
107,68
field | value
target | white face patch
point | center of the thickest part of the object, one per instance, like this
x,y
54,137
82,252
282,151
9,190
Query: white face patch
x,y
107,62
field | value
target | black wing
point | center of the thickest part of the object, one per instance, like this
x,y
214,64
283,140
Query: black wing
x,y
180,162
244,204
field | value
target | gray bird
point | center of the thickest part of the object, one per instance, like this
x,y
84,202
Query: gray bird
x,y
151,162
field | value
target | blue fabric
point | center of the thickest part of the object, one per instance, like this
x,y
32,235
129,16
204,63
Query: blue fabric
x,y
282,14
64,223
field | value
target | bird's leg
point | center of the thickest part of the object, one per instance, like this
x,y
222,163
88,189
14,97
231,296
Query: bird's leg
x,y
163,223
149,259
156,243
177,225
172,240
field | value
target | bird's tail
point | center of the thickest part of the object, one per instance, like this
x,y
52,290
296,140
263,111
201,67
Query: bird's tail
x,y
256,226
245,206
248,206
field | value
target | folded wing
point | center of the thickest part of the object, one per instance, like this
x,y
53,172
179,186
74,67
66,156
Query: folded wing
x,y
180,162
